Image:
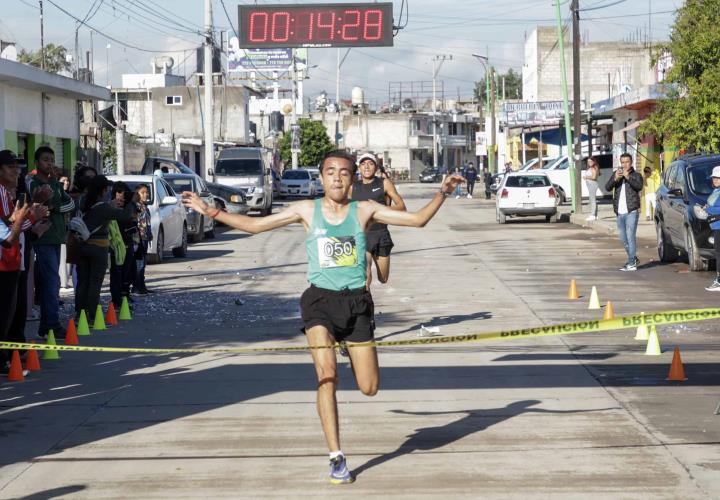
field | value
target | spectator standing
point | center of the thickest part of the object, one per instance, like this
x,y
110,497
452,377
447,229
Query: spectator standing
x,y
626,185
487,180
471,174
591,177
47,190
651,187
122,260
14,219
93,254
145,235
65,268
458,188
713,208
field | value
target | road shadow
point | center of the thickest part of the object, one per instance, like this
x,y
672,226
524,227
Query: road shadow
x,y
55,492
440,321
431,438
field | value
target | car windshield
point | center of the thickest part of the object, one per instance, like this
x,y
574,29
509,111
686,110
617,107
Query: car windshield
x,y
525,181
134,185
699,178
180,185
296,174
238,167
557,164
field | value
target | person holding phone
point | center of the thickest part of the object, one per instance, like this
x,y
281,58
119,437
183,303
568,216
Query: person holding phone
x,y
626,185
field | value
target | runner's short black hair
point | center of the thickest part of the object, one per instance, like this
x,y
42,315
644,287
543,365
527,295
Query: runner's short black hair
x,y
42,150
338,153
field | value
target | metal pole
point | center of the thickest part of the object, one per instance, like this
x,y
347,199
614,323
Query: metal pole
x,y
208,81
566,105
119,138
337,100
294,112
42,38
493,158
434,110
577,123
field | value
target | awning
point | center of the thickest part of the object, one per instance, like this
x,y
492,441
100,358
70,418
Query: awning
x,y
555,136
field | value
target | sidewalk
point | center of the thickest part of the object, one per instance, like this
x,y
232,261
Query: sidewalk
x,y
606,224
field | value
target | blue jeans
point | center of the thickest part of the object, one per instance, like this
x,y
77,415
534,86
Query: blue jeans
x,y
627,228
47,259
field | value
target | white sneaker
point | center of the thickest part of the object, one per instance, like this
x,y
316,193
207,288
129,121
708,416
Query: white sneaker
x,y
469,196
457,197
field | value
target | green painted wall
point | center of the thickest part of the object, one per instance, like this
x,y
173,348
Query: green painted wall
x,y
11,140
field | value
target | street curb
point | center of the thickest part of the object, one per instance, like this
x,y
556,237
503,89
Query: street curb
x,y
607,226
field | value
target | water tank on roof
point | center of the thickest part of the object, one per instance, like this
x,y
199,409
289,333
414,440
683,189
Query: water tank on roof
x,y
358,97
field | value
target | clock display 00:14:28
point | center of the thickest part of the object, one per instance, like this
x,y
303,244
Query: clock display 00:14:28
x,y
316,26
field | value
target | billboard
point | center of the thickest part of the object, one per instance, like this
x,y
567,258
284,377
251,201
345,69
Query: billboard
x,y
531,114
247,60
480,144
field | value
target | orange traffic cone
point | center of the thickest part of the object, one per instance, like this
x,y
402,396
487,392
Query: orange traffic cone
x,y
677,372
111,317
609,311
32,361
573,292
16,370
71,337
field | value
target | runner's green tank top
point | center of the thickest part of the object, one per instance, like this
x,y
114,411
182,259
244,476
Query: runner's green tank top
x,y
336,253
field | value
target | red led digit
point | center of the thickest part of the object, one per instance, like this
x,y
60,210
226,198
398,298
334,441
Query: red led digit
x,y
312,25
373,25
280,23
258,27
349,26
330,27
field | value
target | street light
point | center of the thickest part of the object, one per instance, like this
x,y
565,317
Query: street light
x,y
489,96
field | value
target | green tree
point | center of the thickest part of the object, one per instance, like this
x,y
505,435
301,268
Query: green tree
x,y
314,143
109,150
513,86
55,58
689,117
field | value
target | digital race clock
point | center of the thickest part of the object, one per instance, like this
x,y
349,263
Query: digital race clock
x,y
316,25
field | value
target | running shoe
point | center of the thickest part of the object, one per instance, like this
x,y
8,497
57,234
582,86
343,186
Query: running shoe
x,y
714,286
339,473
629,267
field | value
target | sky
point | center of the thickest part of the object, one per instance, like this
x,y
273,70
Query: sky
x,y
128,31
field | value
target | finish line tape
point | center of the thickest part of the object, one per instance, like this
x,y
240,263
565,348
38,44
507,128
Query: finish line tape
x,y
657,318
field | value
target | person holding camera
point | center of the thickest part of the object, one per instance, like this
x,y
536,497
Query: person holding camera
x,y
122,249
626,185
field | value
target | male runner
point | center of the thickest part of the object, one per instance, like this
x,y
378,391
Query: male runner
x,y
378,240
337,306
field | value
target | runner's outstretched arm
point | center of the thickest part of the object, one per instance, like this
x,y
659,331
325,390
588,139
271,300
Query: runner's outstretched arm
x,y
252,225
386,215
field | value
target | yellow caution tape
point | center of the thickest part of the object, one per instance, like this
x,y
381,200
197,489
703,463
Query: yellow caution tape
x,y
656,318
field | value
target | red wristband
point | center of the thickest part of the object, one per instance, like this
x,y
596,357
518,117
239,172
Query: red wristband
x,y
217,211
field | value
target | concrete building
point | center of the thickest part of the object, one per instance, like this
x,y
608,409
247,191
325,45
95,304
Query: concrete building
x,y
167,115
405,140
607,68
40,108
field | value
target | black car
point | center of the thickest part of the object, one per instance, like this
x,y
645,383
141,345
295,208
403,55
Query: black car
x,y
686,182
431,174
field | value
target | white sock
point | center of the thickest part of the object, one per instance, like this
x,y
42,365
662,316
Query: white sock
x,y
335,454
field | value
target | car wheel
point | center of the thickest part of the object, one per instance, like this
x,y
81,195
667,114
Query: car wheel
x,y
181,251
666,251
561,194
200,235
501,217
267,211
549,218
157,258
697,263
210,234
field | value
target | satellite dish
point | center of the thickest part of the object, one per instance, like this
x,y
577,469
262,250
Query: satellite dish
x,y
10,53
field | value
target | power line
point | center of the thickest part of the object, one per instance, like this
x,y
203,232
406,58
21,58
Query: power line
x,y
109,37
191,28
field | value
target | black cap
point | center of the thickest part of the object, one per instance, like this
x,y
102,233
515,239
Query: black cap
x,y
7,157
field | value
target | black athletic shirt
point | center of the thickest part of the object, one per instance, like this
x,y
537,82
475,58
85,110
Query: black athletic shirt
x,y
374,191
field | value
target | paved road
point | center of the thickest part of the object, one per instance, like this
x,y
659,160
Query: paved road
x,y
579,416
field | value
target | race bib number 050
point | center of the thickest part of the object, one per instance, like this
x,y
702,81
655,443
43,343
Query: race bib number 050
x,y
337,252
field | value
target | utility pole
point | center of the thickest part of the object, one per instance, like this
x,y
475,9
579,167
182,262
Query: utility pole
x,y
119,138
566,105
490,107
577,124
42,38
436,69
294,129
208,81
337,95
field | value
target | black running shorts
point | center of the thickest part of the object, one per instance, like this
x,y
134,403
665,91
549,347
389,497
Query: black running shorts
x,y
379,243
347,314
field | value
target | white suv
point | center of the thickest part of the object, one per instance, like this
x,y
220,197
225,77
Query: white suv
x,y
524,194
